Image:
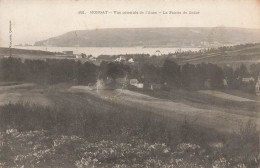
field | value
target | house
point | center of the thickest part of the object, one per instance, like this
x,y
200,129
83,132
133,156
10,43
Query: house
x,y
247,80
158,53
156,86
92,58
67,52
257,86
79,56
131,60
120,59
82,55
134,82
139,85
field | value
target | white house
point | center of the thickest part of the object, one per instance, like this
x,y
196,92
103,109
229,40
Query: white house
x,y
93,58
82,55
120,59
131,60
139,85
135,83
158,53
247,80
79,56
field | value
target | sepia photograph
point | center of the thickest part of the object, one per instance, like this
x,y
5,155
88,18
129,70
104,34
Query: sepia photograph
x,y
129,84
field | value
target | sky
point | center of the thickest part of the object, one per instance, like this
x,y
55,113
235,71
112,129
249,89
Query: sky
x,y
35,20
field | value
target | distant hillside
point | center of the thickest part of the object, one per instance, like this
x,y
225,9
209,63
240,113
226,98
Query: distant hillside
x,y
236,55
155,37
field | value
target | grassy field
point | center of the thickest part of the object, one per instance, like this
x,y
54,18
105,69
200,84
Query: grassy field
x,y
64,126
201,100
246,55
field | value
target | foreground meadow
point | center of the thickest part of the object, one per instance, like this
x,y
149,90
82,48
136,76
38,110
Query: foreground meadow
x,y
76,129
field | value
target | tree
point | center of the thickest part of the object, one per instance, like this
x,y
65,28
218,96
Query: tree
x,y
230,77
216,76
87,73
187,75
12,69
151,73
113,70
171,73
241,72
255,70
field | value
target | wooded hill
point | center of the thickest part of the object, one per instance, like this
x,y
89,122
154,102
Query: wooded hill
x,y
155,37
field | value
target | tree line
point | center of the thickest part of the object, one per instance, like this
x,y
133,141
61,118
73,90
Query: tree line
x,y
170,74
194,77
51,71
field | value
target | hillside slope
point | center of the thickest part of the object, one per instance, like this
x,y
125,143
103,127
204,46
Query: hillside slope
x,y
154,37
246,54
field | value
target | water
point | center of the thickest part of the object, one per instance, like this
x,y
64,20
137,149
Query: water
x,y
96,51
